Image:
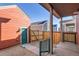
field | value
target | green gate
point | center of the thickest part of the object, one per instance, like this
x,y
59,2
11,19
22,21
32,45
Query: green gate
x,y
23,35
44,46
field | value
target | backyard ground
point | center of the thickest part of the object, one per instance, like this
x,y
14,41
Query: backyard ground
x,y
16,51
62,49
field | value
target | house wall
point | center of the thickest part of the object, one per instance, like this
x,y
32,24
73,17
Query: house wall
x,y
10,31
77,28
54,27
70,22
48,25
38,27
44,26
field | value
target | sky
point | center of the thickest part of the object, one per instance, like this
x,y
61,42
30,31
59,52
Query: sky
x,y
35,12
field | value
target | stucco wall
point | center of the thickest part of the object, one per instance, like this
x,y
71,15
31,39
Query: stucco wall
x,y
77,28
36,27
10,33
70,22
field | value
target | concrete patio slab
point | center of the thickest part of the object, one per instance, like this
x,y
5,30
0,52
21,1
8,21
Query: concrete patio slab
x,y
31,49
16,51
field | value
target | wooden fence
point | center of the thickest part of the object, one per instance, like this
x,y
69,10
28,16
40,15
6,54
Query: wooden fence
x,y
69,37
43,35
56,36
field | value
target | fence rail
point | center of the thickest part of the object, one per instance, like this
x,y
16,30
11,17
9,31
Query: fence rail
x,y
44,35
69,37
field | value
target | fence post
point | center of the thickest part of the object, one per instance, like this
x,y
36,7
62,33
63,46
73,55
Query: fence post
x,y
63,36
40,48
75,38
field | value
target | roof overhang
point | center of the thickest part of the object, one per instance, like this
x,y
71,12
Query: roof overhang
x,y
48,6
62,9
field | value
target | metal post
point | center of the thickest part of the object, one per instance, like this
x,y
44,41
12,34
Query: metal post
x,y
51,31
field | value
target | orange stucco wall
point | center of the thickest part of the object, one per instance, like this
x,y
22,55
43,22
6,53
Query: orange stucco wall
x,y
10,33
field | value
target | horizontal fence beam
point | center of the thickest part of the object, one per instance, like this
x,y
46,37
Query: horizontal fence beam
x,y
43,35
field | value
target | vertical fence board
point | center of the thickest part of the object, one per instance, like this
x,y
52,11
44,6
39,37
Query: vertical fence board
x,y
44,35
70,36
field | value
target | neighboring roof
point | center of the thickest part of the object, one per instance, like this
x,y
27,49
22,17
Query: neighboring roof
x,y
63,9
39,22
66,21
55,25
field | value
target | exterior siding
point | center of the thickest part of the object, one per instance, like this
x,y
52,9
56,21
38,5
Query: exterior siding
x,y
36,27
69,22
39,27
10,31
77,28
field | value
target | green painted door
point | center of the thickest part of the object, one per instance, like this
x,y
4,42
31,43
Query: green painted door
x,y
23,35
